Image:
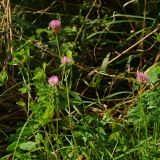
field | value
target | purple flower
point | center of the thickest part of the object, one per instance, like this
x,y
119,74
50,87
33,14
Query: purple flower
x,y
55,26
66,60
141,77
53,80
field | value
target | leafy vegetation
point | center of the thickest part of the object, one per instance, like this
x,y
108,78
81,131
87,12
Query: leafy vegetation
x,y
79,80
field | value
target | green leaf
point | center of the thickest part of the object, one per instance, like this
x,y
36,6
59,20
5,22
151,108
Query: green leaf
x,y
116,127
21,103
44,66
98,77
40,30
49,112
11,146
68,29
3,77
111,96
105,63
153,72
76,97
38,137
39,73
114,137
24,89
28,146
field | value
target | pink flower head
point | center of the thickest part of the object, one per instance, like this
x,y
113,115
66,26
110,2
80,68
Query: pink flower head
x,y
141,77
53,80
55,26
66,60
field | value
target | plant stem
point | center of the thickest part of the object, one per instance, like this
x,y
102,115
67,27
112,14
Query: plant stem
x,y
57,43
68,101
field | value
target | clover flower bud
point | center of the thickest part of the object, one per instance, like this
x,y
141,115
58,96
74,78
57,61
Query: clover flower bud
x,y
53,80
66,60
55,26
141,77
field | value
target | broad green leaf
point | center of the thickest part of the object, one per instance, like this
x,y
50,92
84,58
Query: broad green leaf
x,y
28,146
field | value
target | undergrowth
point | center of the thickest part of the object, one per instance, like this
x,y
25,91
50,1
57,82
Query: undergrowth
x,y
79,80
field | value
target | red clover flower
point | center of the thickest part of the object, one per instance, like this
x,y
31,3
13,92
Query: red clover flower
x,y
53,80
141,77
55,26
66,60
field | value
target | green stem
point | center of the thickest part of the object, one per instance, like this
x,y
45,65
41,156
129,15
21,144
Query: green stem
x,y
68,101
19,137
57,43
142,122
